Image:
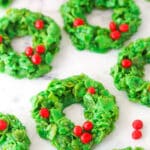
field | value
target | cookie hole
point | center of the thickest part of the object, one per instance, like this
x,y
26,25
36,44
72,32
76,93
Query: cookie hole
x,y
20,43
100,18
147,72
75,113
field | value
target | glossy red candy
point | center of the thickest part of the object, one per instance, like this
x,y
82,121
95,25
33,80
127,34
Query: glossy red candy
x,y
3,125
36,59
40,49
124,27
112,26
29,51
136,134
91,90
115,35
126,63
1,39
77,130
78,22
137,124
88,125
86,138
44,112
39,24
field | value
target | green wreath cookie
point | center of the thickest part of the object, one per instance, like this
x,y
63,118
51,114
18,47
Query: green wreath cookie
x,y
12,134
5,3
125,23
129,71
34,61
100,110
130,148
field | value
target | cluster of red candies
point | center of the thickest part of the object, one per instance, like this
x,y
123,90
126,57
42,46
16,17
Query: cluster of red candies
x,y
35,58
137,125
40,49
116,32
83,132
3,125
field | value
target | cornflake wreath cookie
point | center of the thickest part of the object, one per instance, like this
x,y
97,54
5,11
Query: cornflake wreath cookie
x,y
129,71
12,134
125,22
35,60
100,111
5,3
130,148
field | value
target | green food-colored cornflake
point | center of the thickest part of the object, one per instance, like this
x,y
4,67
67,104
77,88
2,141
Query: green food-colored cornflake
x,y
130,148
96,38
131,79
21,22
99,108
14,137
5,3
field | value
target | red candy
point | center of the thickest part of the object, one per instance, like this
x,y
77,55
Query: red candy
x,y
136,134
3,125
115,35
86,138
126,63
36,59
1,39
124,27
39,24
29,51
77,131
40,49
112,26
78,22
44,112
88,125
137,124
91,90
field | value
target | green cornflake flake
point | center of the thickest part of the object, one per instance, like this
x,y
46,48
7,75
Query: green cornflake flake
x,y
53,131
48,58
99,108
21,22
95,38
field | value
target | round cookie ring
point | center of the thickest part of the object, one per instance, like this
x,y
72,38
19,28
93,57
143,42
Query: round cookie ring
x,y
125,22
34,61
129,71
12,134
5,3
99,105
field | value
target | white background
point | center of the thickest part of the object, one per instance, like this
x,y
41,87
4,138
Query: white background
x,y
15,94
